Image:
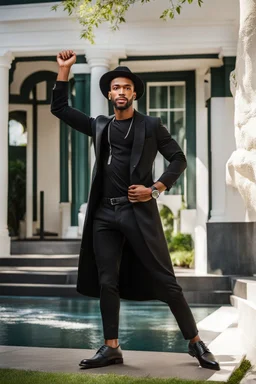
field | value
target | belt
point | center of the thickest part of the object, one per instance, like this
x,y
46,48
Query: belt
x,y
115,200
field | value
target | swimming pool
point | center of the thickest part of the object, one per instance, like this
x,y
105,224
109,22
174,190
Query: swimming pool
x,y
76,323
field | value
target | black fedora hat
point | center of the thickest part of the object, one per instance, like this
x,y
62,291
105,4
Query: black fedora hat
x,y
121,72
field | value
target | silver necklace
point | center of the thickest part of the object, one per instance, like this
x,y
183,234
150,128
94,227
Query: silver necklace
x,y
109,142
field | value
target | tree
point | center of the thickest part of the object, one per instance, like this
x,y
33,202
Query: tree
x,y
92,13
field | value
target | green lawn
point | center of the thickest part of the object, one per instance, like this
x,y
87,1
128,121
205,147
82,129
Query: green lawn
x,y
12,376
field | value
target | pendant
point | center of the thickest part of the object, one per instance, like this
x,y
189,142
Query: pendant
x,y
109,157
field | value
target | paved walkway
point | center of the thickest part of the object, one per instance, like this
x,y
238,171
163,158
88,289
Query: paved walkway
x,y
140,364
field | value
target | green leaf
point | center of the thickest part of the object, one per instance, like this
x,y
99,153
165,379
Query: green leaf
x,y
178,9
171,15
92,13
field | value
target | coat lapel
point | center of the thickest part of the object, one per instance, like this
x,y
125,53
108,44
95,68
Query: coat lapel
x,y
102,123
138,141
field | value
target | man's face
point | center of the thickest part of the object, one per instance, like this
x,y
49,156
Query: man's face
x,y
122,93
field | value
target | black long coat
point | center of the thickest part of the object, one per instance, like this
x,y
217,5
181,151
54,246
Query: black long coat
x,y
150,136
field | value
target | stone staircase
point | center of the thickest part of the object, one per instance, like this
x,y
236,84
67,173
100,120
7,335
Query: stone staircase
x,y
244,300
55,275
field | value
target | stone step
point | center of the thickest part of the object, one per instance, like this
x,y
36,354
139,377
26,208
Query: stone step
x,y
40,260
36,277
208,297
246,323
56,275
68,276
59,290
69,290
204,283
244,288
244,300
45,247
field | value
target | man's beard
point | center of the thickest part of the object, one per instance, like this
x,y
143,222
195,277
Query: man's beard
x,y
122,107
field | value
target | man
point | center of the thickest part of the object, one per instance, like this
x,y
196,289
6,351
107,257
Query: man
x,y
123,250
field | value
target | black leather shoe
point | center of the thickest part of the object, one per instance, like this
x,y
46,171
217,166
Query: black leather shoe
x,y
104,356
203,355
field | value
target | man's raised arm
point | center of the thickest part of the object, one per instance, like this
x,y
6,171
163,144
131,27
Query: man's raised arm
x,y
59,104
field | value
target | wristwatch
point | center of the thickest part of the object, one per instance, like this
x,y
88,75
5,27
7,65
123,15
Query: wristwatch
x,y
155,193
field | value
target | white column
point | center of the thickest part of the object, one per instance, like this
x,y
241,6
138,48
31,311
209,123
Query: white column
x,y
99,104
99,63
222,144
220,136
80,68
29,176
202,184
5,64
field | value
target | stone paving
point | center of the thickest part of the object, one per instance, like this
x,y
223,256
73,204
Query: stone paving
x,y
140,364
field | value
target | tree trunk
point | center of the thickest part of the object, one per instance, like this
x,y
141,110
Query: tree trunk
x,y
241,167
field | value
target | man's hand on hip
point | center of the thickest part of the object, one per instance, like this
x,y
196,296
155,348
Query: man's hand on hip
x,y
139,193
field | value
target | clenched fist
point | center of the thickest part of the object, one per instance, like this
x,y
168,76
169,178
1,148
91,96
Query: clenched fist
x,y
66,58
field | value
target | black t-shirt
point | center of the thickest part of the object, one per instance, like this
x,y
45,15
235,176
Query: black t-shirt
x,y
116,175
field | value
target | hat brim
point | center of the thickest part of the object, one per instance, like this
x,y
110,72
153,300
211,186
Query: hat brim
x,y
109,76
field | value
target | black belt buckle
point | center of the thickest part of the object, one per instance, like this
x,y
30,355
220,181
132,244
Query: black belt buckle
x,y
113,201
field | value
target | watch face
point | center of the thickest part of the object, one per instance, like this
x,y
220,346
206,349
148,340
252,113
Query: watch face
x,y
155,194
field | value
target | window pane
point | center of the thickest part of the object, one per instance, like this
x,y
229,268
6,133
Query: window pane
x,y
177,94
162,115
158,97
177,127
17,136
169,97
178,132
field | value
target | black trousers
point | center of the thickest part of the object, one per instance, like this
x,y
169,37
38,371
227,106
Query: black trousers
x,y
112,225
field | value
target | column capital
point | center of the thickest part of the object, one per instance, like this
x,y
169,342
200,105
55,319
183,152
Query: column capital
x,y
102,57
201,71
78,69
6,58
98,62
98,57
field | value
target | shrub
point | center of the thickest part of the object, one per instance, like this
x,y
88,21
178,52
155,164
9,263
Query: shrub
x,y
183,259
181,242
180,245
166,216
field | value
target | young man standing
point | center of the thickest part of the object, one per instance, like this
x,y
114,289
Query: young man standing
x,y
123,250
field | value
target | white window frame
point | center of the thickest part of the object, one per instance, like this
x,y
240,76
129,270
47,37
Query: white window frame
x,y
158,165
166,84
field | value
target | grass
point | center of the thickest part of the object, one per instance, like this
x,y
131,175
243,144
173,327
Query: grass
x,y
12,376
240,372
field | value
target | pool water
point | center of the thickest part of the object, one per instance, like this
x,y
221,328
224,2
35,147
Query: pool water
x,y
76,323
